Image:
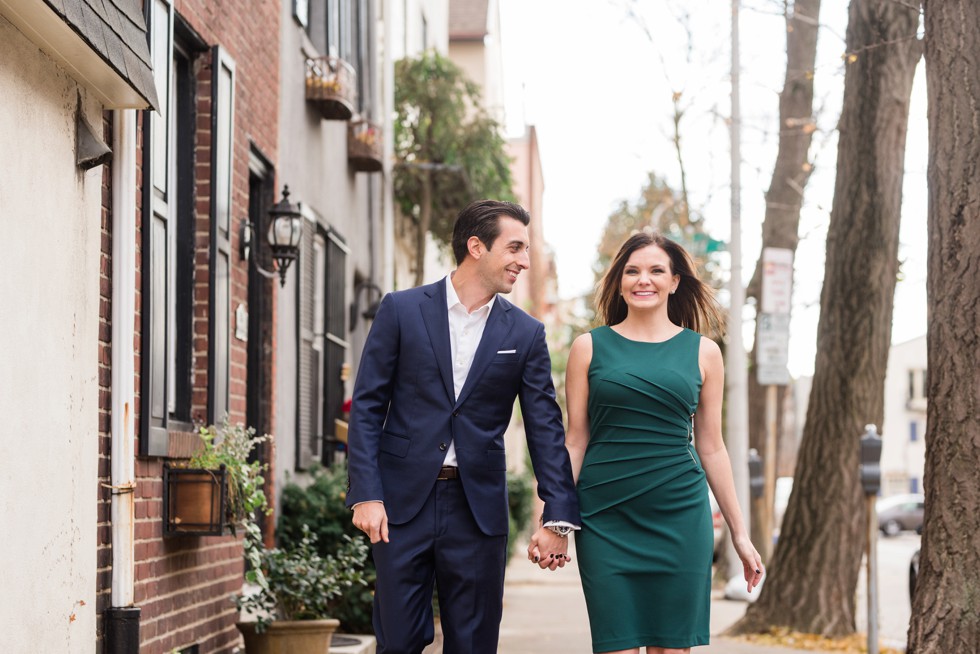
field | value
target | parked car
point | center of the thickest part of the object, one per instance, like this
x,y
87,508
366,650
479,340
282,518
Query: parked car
x,y
900,513
913,573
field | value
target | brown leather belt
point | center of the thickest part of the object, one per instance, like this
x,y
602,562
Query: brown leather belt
x,y
448,472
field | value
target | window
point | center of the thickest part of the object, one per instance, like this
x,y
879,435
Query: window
x,y
335,343
913,431
914,488
169,235
364,63
911,395
168,243
320,341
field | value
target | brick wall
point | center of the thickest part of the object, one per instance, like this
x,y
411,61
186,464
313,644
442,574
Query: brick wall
x,y
183,585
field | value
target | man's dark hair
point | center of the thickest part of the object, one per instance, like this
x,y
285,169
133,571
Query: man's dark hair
x,y
480,220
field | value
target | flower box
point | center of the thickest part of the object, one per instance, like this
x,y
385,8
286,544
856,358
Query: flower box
x,y
364,146
331,86
195,501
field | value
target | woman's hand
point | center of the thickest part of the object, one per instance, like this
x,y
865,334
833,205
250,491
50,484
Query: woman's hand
x,y
751,562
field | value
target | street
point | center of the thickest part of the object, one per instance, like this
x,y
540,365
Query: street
x,y
894,555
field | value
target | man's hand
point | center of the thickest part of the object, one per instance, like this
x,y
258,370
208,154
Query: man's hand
x,y
548,549
372,519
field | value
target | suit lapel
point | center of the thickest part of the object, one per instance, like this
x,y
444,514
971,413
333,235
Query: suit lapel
x,y
436,318
498,326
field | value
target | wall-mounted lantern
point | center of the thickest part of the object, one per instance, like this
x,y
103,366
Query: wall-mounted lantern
x,y
285,231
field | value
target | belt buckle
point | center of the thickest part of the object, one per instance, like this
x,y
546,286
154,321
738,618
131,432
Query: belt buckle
x,y
448,472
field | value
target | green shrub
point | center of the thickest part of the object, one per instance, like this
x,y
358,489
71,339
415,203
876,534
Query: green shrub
x,y
520,500
296,583
320,507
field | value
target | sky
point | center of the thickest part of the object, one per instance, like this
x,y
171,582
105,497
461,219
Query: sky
x,y
598,92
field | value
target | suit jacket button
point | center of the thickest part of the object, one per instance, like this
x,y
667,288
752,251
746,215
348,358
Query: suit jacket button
x,y
443,446
456,413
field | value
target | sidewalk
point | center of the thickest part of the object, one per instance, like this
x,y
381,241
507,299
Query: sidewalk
x,y
545,611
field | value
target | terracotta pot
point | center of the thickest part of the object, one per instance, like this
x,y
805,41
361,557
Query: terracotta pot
x,y
289,637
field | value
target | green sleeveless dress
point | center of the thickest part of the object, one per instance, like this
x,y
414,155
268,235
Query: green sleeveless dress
x,y
645,546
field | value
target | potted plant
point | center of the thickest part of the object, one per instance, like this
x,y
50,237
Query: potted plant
x,y
295,592
217,487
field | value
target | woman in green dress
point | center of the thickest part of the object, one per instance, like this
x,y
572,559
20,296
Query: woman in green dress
x,y
644,394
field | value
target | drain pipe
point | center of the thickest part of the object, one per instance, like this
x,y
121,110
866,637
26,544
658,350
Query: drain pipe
x,y
121,622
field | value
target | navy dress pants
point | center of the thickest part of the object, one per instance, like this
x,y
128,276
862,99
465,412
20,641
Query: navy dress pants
x,y
441,546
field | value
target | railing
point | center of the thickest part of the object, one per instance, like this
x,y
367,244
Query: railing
x,y
331,85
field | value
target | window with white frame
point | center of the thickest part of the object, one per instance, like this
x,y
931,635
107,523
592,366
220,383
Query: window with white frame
x,y
169,238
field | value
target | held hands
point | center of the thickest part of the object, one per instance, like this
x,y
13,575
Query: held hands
x,y
548,549
751,562
372,519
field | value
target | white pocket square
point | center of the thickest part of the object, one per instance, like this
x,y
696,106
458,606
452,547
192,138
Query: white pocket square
x,y
506,351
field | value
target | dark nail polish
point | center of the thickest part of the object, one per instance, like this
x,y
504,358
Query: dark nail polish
x,y
758,572
535,559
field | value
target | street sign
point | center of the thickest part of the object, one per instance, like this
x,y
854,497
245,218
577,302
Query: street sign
x,y
777,280
772,349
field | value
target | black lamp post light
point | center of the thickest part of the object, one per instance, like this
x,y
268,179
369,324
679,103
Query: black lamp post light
x,y
285,231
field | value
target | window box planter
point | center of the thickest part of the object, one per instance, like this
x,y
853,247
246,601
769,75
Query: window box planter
x,y
195,501
331,86
364,144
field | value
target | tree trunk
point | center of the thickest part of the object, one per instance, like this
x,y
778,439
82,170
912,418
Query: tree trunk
x,y
946,606
814,571
785,198
425,220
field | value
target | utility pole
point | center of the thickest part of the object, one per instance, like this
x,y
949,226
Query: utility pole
x,y
736,387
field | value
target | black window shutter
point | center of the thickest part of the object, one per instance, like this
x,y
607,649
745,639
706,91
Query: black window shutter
x,y
335,343
308,358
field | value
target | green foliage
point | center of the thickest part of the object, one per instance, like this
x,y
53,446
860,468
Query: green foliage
x,y
320,507
230,445
520,500
298,583
440,120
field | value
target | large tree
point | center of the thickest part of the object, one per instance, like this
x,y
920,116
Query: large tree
x,y
449,151
946,606
784,199
814,571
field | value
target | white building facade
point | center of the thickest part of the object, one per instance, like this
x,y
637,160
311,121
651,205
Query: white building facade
x,y
904,429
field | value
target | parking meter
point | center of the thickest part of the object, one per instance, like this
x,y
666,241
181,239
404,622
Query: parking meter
x,y
871,460
756,480
871,481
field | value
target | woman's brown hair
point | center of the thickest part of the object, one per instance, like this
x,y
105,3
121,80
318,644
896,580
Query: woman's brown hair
x,y
692,305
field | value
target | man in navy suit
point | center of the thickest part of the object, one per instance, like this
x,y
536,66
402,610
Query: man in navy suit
x,y
434,394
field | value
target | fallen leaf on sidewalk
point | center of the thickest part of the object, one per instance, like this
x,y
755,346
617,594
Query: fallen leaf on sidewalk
x,y
783,637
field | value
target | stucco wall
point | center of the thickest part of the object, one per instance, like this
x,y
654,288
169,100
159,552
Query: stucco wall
x,y
313,162
49,291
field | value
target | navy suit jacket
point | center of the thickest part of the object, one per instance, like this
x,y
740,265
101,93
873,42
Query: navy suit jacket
x,y
404,414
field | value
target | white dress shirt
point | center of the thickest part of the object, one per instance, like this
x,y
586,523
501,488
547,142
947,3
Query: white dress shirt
x,y
465,331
